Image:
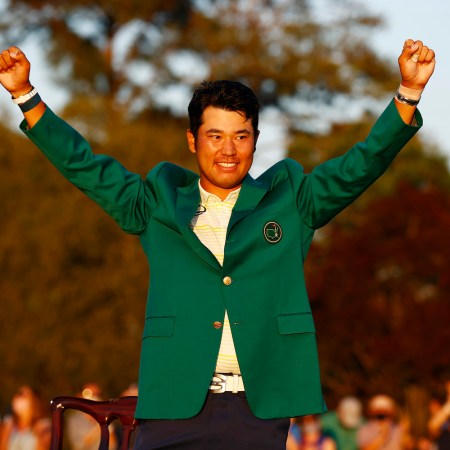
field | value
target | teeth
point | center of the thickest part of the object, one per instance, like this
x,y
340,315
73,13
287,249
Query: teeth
x,y
227,164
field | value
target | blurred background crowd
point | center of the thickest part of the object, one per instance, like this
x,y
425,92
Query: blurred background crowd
x,y
380,423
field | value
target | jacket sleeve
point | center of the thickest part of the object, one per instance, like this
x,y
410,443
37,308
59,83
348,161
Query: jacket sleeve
x,y
334,184
122,194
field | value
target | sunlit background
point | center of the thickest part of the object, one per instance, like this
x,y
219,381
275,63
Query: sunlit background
x,y
73,286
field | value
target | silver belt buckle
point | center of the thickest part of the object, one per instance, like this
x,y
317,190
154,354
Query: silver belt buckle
x,y
218,383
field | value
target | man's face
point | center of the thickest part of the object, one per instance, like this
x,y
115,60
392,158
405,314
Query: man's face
x,y
224,149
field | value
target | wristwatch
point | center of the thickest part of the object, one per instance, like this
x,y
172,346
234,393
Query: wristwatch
x,y
407,101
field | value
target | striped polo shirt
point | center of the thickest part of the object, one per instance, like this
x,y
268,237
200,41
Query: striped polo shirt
x,y
210,224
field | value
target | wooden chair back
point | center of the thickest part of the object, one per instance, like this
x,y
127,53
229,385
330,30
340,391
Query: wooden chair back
x,y
103,412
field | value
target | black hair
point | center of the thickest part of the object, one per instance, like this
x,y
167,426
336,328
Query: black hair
x,y
223,94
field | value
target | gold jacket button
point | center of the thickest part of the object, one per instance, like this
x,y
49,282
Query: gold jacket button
x,y
217,325
227,281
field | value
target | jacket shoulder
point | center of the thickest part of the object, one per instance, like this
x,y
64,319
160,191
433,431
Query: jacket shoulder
x,y
172,174
281,171
166,176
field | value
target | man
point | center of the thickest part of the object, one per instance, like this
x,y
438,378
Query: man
x,y
383,430
439,421
342,425
229,350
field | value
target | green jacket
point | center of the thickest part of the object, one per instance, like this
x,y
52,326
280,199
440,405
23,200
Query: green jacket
x,y
268,237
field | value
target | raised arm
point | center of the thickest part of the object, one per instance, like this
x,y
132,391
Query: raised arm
x,y
440,419
15,78
334,184
121,193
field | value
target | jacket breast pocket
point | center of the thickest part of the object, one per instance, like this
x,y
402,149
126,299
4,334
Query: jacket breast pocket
x,y
159,326
296,323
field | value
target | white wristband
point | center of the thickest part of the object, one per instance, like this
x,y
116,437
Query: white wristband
x,y
24,98
413,94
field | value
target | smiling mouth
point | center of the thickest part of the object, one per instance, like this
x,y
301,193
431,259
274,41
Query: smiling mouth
x,y
226,165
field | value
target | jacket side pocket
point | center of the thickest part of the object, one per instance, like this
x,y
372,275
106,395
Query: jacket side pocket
x,y
296,323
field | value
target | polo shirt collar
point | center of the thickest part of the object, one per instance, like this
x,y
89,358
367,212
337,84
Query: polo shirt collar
x,y
208,197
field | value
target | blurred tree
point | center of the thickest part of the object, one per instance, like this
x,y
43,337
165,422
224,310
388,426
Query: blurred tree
x,y
379,293
71,313
377,274
127,57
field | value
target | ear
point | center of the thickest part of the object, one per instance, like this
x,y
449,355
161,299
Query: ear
x,y
256,139
191,141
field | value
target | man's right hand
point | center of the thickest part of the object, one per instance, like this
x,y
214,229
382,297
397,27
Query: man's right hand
x,y
15,72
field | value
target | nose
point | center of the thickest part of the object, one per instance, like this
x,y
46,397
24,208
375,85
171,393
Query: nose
x,y
228,147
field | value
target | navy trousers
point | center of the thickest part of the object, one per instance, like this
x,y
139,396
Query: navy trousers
x,y
224,423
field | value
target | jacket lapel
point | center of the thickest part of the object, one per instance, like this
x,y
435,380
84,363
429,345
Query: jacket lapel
x,y
251,194
188,199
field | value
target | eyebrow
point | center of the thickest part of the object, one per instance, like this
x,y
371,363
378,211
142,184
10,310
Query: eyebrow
x,y
215,130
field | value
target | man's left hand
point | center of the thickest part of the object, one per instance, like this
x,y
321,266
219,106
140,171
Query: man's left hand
x,y
417,63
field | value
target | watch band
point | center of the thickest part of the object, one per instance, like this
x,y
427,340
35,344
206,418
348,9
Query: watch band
x,y
31,103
